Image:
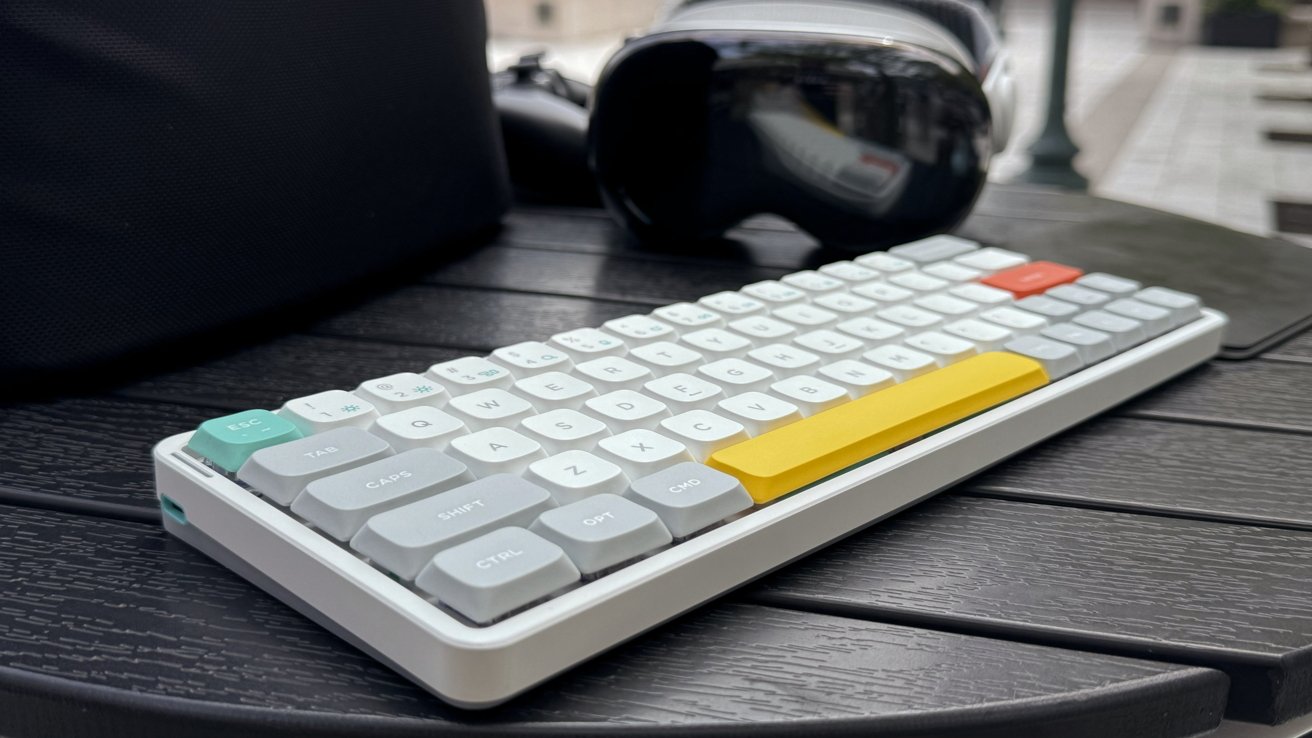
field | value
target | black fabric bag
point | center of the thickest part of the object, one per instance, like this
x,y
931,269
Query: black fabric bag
x,y
170,166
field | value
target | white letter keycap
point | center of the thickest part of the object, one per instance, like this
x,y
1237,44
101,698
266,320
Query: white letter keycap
x,y
400,391
327,410
574,475
419,427
470,373
640,452
703,433
563,429
489,408
495,451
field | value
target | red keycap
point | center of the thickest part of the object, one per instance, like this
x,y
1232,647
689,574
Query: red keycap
x,y
1033,278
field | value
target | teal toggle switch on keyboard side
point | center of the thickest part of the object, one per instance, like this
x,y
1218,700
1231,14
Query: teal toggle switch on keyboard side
x,y
228,441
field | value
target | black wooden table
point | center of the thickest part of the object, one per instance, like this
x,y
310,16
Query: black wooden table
x,y
1146,573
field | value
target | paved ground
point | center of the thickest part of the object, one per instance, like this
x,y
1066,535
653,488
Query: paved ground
x,y
1179,129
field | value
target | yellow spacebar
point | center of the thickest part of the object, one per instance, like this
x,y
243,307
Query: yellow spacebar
x,y
788,458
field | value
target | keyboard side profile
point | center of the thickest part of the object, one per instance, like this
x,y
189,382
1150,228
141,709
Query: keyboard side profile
x,y
899,435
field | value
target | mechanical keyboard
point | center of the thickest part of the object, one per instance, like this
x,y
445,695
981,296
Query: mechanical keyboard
x,y
493,520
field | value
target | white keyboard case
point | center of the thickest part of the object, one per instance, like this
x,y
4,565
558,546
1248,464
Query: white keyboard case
x,y
478,667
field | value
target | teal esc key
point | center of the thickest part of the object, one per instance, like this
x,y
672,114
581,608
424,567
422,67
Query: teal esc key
x,y
228,441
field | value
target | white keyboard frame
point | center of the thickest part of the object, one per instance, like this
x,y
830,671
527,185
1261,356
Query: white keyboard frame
x,y
478,667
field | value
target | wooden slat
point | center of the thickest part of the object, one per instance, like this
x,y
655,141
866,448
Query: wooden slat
x,y
1236,598
270,373
95,448
1208,472
578,231
1252,394
651,281
115,606
1298,348
472,319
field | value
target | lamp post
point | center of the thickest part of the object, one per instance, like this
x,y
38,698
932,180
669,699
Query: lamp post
x,y
1052,153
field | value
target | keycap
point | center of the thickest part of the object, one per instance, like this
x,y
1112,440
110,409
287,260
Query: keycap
x,y
497,573
716,343
685,315
281,472
813,282
1032,279
532,357
883,293
883,262
624,410
341,503
1053,310
952,272
795,455
986,336
982,294
588,343
947,305
944,348
419,427
902,362
663,356
470,373
640,452
404,539
758,412
733,304
1058,359
490,408
552,390
1017,321
781,358
1117,286
857,378
636,330
495,451
870,329
1082,296
399,391
227,442
918,282
682,391
689,497
736,375
602,531
327,410
573,475
804,316
846,304
991,259
934,248
811,395
909,316
1155,320
1094,346
830,345
610,373
1183,307
849,271
774,293
1124,332
703,432
762,328
564,429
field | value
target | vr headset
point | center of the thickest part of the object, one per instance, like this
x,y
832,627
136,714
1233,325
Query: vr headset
x,y
865,122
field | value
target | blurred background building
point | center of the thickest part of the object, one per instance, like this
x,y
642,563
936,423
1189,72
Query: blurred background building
x,y
1201,107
